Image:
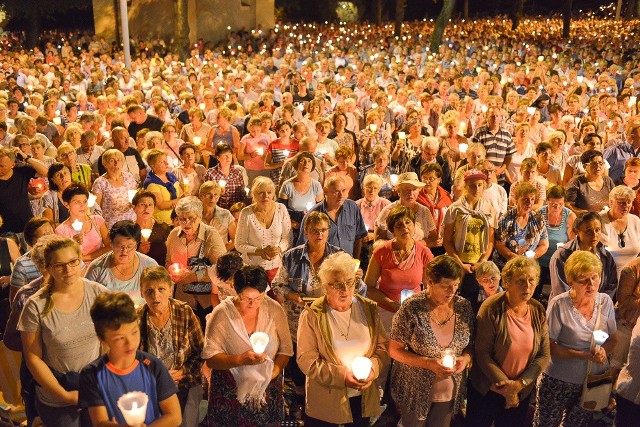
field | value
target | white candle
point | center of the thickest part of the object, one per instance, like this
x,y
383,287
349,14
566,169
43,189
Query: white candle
x,y
77,226
260,151
462,128
301,107
579,79
402,135
176,162
540,58
530,254
373,127
57,120
247,190
185,181
202,106
448,358
463,148
394,179
309,205
259,341
222,183
91,201
175,268
197,140
356,264
146,233
361,368
131,194
484,108
632,101
599,338
405,293
531,110
559,245
133,407
286,153
106,134
367,226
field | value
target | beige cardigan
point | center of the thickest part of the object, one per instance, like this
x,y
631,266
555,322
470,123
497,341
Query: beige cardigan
x,y
326,393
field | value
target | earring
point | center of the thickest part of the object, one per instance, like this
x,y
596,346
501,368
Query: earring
x,y
572,293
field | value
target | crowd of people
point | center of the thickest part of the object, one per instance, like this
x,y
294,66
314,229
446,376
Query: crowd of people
x,y
453,234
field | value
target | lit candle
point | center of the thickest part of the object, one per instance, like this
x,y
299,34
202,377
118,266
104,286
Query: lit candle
x,y
530,254
463,148
632,101
301,107
540,58
77,226
394,179
185,181
367,226
448,358
91,201
286,153
197,140
405,293
361,368
462,128
579,79
599,338
373,127
202,106
356,264
133,406
176,162
175,268
309,205
259,341
577,120
260,151
402,135
131,194
57,120
106,134
247,190
531,110
484,108
146,233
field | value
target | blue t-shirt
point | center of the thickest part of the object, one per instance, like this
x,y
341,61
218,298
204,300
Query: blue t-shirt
x,y
102,384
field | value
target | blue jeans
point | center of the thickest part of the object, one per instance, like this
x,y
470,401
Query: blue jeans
x,y
67,416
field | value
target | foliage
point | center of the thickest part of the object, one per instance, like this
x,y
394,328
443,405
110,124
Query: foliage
x,y
347,12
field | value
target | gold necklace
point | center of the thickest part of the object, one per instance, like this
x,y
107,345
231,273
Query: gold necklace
x,y
433,317
340,331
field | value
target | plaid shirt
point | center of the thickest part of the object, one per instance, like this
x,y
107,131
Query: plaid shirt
x,y
234,189
188,340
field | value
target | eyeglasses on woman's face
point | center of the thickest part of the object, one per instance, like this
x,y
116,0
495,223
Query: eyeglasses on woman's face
x,y
342,286
62,266
247,300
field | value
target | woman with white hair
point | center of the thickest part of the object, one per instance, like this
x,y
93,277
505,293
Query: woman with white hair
x,y
559,156
337,329
620,229
264,228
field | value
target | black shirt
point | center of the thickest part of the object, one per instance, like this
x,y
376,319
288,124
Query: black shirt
x,y
152,123
15,208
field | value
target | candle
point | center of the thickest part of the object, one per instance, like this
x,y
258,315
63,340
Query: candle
x,y
462,128
185,181
146,233
405,293
599,338
356,264
402,135
202,106
577,120
197,140
260,151
559,245
484,108
286,153
247,190
463,148
131,194
579,79
309,205
394,179
531,110
367,226
540,58
259,341
301,107
91,201
176,162
530,254
77,226
222,183
175,268
57,121
361,368
448,358
632,101
133,406
373,127
106,134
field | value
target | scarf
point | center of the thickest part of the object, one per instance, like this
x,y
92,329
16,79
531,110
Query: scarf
x,y
152,178
467,214
438,208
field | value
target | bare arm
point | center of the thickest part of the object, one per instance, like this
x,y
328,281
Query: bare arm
x,y
371,280
171,413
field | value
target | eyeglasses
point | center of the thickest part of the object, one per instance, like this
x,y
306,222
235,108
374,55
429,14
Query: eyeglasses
x,y
251,300
319,231
122,248
429,179
621,241
491,279
62,266
185,220
488,171
67,155
342,286
596,164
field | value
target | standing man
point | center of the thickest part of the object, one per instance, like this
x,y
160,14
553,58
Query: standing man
x,y
497,142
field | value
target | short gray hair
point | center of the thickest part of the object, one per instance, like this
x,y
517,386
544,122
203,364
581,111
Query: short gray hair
x,y
189,204
622,192
338,263
487,268
431,142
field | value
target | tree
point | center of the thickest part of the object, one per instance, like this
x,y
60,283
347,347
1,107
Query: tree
x,y
516,13
441,22
400,6
566,19
181,42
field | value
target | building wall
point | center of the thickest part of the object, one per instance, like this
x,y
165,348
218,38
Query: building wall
x,y
208,19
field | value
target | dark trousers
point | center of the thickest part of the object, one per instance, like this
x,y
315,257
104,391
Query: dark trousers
x,y
201,313
356,413
293,371
627,413
487,410
28,393
67,416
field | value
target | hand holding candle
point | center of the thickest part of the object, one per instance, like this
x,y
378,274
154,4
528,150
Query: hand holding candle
x,y
133,407
448,358
77,226
361,368
197,140
146,233
259,342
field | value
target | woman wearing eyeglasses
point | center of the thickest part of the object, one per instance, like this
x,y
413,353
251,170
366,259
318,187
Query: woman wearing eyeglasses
x,y
192,248
589,192
120,268
336,329
58,338
620,229
246,386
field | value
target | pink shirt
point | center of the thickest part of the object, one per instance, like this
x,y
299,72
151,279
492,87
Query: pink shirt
x,y
521,334
252,145
370,211
393,279
91,241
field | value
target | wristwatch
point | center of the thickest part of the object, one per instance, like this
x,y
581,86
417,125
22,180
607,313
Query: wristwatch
x,y
524,382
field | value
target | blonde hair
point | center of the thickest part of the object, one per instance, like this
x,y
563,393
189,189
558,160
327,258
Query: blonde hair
x,y
515,268
110,154
581,262
54,244
260,183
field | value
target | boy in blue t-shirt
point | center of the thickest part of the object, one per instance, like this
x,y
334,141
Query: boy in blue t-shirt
x,y
124,369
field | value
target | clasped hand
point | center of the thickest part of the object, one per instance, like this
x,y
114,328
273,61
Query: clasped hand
x,y
352,382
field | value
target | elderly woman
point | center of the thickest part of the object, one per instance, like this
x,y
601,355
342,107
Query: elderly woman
x,y
264,229
620,229
227,176
120,269
215,216
529,174
488,277
370,207
397,265
381,168
53,351
301,192
164,185
572,317
548,174
434,197
338,328
72,135
349,172
253,148
451,140
91,232
247,386
521,230
197,127
190,174
112,188
588,231
589,192
193,247
170,331
430,340
154,245
511,349
171,143
559,156
408,146
574,165
80,172
408,187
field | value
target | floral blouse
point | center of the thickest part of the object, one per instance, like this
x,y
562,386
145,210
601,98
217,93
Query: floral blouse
x,y
516,238
411,327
